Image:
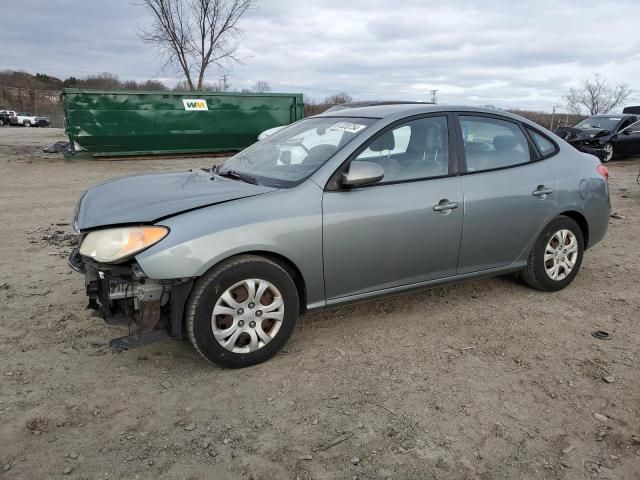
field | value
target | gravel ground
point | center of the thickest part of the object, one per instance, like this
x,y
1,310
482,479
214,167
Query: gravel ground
x,y
483,380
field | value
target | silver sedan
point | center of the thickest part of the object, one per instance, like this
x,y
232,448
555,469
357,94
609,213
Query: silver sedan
x,y
341,207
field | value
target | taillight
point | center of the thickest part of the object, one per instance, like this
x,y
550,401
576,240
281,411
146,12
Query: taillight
x,y
602,170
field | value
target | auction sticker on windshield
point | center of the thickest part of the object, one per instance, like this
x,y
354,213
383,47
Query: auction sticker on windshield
x,y
195,104
347,127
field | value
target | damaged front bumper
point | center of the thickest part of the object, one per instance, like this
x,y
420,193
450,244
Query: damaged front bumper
x,y
595,150
123,295
588,142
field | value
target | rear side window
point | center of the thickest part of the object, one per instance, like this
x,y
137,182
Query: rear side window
x,y
545,146
490,143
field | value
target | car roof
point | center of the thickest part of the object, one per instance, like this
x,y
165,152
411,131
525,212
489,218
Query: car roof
x,y
611,115
369,103
388,110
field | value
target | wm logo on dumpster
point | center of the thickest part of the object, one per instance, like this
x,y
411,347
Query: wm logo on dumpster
x,y
195,104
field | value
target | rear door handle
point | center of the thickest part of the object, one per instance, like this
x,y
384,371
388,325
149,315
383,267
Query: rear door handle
x,y
542,191
445,205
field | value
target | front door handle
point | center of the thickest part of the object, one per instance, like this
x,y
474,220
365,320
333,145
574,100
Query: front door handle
x,y
445,205
542,191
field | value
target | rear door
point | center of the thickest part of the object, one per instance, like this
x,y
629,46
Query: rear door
x,y
404,229
509,190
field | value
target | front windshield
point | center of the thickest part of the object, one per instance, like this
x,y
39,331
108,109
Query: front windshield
x,y
293,154
601,123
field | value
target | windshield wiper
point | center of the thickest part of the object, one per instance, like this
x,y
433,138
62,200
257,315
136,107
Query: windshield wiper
x,y
239,176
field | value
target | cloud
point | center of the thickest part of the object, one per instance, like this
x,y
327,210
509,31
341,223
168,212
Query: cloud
x,y
511,54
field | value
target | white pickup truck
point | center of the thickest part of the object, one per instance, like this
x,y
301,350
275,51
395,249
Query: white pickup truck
x,y
28,120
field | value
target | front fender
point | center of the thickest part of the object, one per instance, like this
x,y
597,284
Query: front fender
x,y
286,222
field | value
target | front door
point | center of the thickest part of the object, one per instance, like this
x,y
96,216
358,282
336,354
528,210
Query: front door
x,y
508,195
402,230
628,140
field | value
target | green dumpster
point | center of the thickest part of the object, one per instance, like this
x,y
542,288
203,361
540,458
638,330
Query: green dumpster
x,y
130,122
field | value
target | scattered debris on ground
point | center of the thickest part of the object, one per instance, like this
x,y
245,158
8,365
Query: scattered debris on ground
x,y
482,380
58,147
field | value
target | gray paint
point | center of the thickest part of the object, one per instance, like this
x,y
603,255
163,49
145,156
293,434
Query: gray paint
x,y
488,240
147,198
386,236
287,223
364,242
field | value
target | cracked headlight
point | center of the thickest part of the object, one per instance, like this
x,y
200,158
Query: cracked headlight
x,y
115,244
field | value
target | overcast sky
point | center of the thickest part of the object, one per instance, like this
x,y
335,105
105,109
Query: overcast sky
x,y
507,53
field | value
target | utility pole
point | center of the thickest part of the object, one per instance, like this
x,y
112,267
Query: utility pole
x,y
224,86
434,97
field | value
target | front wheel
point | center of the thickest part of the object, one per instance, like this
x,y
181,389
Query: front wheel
x,y
27,123
556,256
242,312
608,152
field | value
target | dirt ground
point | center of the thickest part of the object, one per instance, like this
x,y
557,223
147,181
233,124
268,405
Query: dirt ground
x,y
484,380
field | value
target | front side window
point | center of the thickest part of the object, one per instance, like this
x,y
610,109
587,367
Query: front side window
x,y
626,123
293,154
634,128
413,150
543,143
490,143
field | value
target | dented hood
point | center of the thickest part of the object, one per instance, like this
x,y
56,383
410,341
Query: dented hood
x,y
152,197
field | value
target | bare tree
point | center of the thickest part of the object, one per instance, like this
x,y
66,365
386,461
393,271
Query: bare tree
x,y
338,98
597,96
195,34
261,87
104,81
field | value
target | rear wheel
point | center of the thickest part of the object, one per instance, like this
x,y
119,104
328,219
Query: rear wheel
x,y
242,312
27,123
556,256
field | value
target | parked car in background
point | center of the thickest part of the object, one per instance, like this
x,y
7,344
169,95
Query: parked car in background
x,y
4,119
270,131
605,135
343,106
5,115
377,205
43,122
27,119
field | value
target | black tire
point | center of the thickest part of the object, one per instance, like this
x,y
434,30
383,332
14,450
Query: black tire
x,y
1,123
26,123
535,274
211,286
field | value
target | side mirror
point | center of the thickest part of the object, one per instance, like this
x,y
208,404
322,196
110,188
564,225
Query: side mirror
x,y
362,173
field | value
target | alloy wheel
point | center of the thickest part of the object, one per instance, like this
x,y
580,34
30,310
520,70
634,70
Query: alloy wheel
x,y
247,316
608,152
561,254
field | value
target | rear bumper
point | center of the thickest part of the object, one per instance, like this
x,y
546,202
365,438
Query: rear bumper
x,y
122,295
